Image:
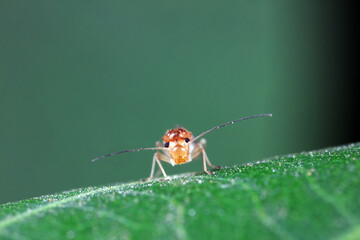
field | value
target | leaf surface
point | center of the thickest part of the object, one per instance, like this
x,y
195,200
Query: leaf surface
x,y
314,195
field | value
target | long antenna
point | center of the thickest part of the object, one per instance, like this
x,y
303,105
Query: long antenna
x,y
132,150
232,122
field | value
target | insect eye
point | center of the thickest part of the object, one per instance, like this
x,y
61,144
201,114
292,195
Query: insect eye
x,y
187,140
166,144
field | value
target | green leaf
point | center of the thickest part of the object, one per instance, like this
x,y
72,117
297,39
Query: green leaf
x,y
314,195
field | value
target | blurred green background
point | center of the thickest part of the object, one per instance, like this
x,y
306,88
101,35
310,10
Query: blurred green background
x,y
79,79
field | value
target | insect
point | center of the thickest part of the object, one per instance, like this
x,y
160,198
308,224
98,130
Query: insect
x,y
180,147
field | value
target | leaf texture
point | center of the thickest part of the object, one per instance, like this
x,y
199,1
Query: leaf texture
x,y
313,195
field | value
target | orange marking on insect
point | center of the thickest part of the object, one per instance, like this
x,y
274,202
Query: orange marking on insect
x,y
179,147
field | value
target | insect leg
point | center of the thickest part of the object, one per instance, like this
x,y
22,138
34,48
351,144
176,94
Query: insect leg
x,y
153,166
208,161
161,168
152,169
157,159
200,148
197,150
205,161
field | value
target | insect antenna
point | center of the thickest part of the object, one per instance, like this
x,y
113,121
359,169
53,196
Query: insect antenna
x,y
132,150
228,123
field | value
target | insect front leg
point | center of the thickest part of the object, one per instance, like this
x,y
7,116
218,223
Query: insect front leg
x,y
200,148
206,160
155,160
152,170
158,156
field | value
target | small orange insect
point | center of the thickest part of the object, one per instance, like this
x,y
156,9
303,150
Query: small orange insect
x,y
179,147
